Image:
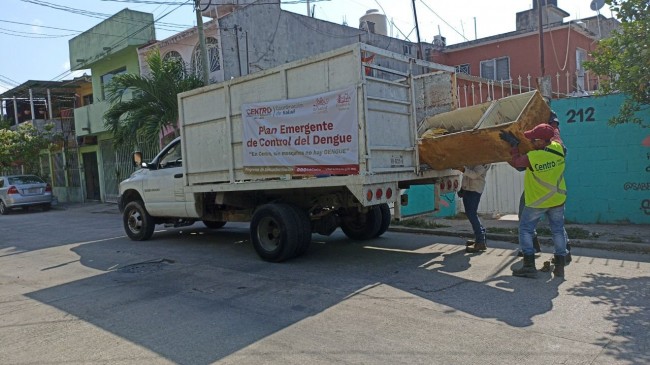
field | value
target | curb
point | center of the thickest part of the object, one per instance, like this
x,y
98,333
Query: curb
x,y
546,241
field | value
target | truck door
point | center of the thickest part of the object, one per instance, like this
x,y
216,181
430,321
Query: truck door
x,y
164,190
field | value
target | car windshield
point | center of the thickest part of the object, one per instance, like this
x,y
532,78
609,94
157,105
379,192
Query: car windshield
x,y
25,179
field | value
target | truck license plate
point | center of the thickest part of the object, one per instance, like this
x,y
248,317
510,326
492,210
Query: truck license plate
x,y
397,161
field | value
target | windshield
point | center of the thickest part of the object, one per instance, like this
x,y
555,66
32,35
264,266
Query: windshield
x,y
25,179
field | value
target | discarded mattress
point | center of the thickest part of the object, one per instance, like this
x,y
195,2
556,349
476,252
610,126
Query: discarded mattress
x,y
470,136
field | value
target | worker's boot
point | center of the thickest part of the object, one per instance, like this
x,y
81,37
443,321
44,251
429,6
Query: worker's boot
x,y
528,270
477,248
536,246
559,266
470,242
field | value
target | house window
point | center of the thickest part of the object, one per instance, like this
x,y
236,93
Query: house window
x,y
212,46
175,56
463,69
581,56
407,49
496,69
107,77
172,55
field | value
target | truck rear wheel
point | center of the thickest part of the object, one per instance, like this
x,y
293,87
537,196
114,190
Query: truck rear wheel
x,y
384,209
214,224
138,224
360,226
276,232
304,225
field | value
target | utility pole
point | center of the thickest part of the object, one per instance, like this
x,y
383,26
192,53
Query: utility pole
x,y
417,31
237,49
543,82
205,70
541,37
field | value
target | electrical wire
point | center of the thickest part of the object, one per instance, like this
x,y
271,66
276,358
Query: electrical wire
x,y
67,72
162,25
444,21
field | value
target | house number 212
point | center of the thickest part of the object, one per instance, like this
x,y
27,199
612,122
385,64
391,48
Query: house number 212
x,y
581,115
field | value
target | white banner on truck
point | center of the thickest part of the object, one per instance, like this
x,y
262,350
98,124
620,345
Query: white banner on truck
x,y
313,135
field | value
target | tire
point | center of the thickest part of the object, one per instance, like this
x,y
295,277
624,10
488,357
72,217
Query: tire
x,y
214,224
3,208
385,219
361,227
138,224
274,232
303,224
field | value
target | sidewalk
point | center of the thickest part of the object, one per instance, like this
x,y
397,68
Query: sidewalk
x,y
623,237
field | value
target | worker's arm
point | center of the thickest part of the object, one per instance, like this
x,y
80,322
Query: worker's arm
x,y
518,161
475,172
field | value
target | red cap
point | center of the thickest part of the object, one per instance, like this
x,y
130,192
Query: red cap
x,y
541,131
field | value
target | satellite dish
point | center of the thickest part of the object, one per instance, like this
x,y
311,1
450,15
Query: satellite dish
x,y
596,4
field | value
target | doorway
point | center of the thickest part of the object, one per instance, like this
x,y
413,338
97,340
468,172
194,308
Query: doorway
x,y
91,175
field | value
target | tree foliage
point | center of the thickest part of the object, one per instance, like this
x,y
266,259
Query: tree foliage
x,y
23,146
143,106
624,59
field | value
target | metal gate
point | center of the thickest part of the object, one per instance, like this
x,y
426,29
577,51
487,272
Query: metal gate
x,y
117,164
109,169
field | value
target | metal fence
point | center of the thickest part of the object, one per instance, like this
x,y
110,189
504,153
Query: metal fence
x,y
117,164
473,90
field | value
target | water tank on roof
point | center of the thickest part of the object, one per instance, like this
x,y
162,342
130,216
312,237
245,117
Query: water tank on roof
x,y
374,22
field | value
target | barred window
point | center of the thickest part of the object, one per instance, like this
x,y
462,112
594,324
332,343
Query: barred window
x,y
464,69
212,45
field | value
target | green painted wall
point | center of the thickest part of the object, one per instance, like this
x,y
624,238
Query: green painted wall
x,y
421,201
608,168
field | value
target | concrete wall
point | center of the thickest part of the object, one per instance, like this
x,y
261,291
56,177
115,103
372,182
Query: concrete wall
x,y
266,37
607,174
608,168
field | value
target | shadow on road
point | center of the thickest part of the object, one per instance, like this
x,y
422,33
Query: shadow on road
x,y
197,300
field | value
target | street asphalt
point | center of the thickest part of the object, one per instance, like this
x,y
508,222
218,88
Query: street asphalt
x,y
75,290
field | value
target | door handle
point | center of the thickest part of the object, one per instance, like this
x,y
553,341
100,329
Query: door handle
x,y
177,176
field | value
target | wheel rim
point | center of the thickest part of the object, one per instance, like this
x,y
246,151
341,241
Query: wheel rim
x,y
2,208
268,234
135,221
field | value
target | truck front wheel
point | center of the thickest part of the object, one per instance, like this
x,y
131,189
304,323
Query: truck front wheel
x,y
360,226
138,224
275,232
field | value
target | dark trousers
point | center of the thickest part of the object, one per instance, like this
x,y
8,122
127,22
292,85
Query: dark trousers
x,y
471,199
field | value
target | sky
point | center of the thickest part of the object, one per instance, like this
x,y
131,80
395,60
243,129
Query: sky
x,y
34,34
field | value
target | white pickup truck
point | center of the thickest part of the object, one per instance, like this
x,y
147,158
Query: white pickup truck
x,y
306,147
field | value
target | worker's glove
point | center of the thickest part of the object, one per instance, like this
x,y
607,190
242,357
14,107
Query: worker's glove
x,y
510,138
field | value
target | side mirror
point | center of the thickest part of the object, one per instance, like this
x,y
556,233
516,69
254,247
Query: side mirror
x,y
137,159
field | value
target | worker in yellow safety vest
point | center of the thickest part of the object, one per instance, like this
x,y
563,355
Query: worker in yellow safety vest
x,y
545,194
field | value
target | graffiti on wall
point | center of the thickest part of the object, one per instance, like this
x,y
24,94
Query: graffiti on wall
x,y
645,203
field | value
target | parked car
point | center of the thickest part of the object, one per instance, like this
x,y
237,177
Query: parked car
x,y
24,191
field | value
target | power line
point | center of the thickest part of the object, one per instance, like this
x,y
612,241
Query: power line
x,y
67,72
31,34
444,21
286,2
9,82
162,25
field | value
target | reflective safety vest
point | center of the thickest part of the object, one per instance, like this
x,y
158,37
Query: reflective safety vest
x,y
544,185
